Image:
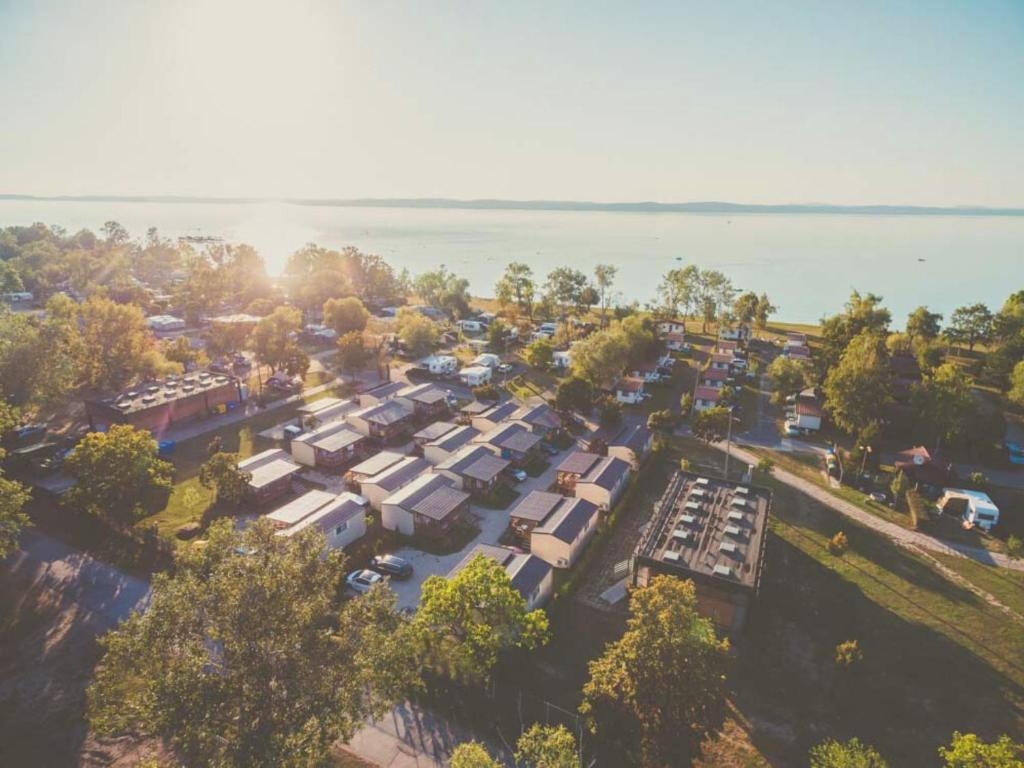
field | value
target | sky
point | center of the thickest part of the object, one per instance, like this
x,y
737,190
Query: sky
x,y
843,102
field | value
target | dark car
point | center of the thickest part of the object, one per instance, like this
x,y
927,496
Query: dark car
x,y
28,434
392,565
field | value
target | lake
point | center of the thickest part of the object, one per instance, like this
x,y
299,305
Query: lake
x,y
807,263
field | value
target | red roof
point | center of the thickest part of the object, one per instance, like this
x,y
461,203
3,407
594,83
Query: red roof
x,y
722,357
630,384
714,374
727,346
707,393
805,408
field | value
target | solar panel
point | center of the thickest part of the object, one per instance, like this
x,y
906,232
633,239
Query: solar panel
x,y
736,515
695,505
722,570
671,556
732,530
701,481
727,546
682,534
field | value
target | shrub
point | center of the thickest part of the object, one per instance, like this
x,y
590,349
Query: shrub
x,y
838,544
765,467
848,654
1014,546
485,392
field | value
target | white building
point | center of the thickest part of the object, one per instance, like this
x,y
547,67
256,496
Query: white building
x,y
340,518
605,483
440,365
430,505
476,375
383,484
975,507
487,359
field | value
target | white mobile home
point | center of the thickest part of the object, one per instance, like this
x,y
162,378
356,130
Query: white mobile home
x,y
476,375
340,518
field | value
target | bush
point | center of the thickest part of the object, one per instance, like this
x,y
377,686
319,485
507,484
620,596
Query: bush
x,y
1014,546
765,467
918,512
486,392
848,654
838,544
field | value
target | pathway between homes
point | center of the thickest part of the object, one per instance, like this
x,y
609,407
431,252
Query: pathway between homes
x,y
893,531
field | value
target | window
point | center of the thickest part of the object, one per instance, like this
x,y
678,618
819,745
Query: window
x,y
340,528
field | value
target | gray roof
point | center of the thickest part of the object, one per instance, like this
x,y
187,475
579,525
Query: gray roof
x,y
512,436
525,571
429,495
330,514
536,505
386,391
386,413
538,413
455,439
377,463
434,431
423,393
475,408
269,466
567,522
633,436
300,508
578,462
606,473
476,462
397,475
500,412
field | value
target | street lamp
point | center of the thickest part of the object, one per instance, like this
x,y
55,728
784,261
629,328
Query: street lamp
x,y
863,462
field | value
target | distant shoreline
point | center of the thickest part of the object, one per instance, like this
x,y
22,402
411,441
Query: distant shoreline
x,y
543,205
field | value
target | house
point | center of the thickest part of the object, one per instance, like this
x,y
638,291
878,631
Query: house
x,y
487,360
472,409
157,404
629,390
712,532
474,469
538,417
329,446
564,533
604,483
326,409
384,421
270,474
440,365
341,518
383,484
975,507
561,359
740,332
429,506
165,324
727,347
530,576
646,371
427,401
491,417
713,377
433,432
806,415
476,375
573,467
721,360
632,444
705,397
441,448
664,328
372,466
923,470
381,393
511,441
794,338
675,342
471,326
799,352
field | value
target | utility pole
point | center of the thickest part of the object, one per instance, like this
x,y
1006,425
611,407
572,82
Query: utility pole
x,y
728,443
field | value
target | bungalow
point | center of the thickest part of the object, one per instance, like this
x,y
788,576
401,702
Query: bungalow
x,y
632,444
713,377
449,443
565,532
721,360
727,347
573,467
326,409
561,359
538,417
705,397
646,371
799,352
975,507
340,518
380,394
383,484
530,576
372,466
474,469
795,339
511,441
427,401
629,390
270,474
922,469
476,375
329,446
495,415
440,365
433,432
487,359
664,328
674,341
430,505
604,483
385,421
806,415
739,332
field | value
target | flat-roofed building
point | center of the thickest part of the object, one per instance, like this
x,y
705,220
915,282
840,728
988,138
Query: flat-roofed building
x,y
270,473
512,442
605,483
430,505
450,443
383,484
385,421
530,576
714,532
329,446
573,467
341,518
474,469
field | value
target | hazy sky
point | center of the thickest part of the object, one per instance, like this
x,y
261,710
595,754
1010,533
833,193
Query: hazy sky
x,y
845,102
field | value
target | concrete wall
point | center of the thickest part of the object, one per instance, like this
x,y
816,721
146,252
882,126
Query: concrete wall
x,y
394,518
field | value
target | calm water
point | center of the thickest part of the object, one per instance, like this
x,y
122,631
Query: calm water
x,y
808,264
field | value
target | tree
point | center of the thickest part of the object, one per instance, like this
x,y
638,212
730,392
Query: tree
x,y
789,377
848,654
546,746
314,275
465,621
765,467
418,334
609,410
13,496
851,754
711,424
943,404
352,352
273,338
567,287
516,286
539,354
745,307
923,325
243,659
899,487
445,291
604,277
968,751
345,315
472,754
861,313
221,472
661,686
496,336
678,291
663,421
226,339
969,325
574,394
765,309
600,357
859,386
118,474
838,544
1007,342
116,345
180,351
1016,390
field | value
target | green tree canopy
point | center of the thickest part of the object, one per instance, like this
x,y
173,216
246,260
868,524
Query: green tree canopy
x,y
860,385
352,352
345,315
242,658
923,325
516,287
418,333
789,377
540,353
472,754
574,394
861,313
711,424
943,404
661,687
116,346
444,290
604,278
969,325
850,754
221,472
1016,390
273,339
968,751
546,746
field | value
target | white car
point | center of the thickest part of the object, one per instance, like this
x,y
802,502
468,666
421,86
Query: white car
x,y
790,429
519,475
363,579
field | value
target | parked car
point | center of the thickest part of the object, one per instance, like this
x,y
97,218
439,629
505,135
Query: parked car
x,y
219,366
391,565
26,435
519,475
877,496
504,367
549,449
363,579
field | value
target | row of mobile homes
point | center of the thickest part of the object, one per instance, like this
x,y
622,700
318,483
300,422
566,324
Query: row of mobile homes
x,y
441,448
378,487
386,421
330,446
430,505
341,518
474,469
